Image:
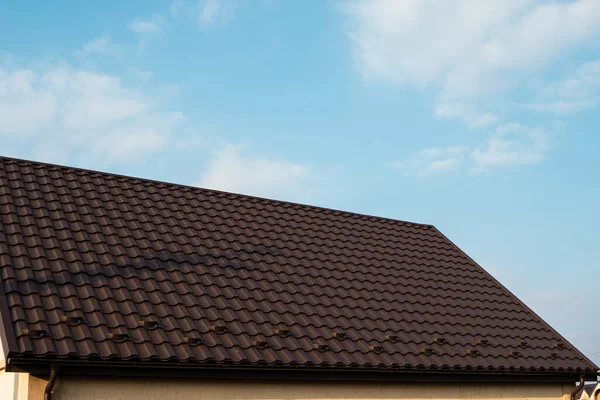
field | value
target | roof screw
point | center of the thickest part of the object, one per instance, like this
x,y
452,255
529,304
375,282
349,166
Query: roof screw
x,y
36,333
282,332
392,338
553,355
261,344
148,324
339,335
515,354
218,328
193,341
560,345
473,352
523,344
72,320
118,337
427,351
439,340
376,349
483,342
321,347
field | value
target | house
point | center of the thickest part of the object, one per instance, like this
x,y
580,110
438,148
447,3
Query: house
x,y
589,391
118,288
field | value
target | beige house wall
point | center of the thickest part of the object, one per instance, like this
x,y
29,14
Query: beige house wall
x,y
15,386
170,389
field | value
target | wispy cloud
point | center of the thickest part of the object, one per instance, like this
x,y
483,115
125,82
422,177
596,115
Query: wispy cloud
x,y
213,11
465,111
466,41
431,161
576,92
234,168
68,112
147,25
178,7
510,145
207,13
102,46
472,51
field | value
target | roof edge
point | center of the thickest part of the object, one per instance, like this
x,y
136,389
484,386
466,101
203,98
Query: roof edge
x,y
120,369
7,336
520,301
179,185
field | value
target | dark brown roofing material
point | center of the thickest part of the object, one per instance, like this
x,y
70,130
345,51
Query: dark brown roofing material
x,y
99,267
588,388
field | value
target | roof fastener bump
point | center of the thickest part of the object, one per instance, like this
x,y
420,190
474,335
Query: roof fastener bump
x,y
192,341
483,342
339,335
118,337
560,345
427,351
439,340
36,333
376,349
218,328
72,320
321,347
515,354
283,332
148,324
473,352
261,344
392,338
523,344
553,355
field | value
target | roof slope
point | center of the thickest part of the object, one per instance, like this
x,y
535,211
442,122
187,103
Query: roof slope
x,y
104,267
588,389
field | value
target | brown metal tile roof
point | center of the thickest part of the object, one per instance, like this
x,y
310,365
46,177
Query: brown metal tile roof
x,y
103,267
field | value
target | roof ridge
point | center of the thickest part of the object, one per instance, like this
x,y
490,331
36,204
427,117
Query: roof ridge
x,y
179,185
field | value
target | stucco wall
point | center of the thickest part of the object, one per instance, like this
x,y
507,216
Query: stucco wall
x,y
7,385
128,389
15,386
7,380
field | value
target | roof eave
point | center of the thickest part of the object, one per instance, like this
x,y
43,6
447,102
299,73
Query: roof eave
x,y
145,369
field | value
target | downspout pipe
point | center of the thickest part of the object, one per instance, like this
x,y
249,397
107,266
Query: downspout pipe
x,y
573,393
51,382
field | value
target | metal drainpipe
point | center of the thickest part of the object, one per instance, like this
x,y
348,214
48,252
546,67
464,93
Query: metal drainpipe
x,y
51,382
577,388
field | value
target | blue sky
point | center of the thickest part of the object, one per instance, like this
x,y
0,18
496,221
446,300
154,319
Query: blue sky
x,y
478,117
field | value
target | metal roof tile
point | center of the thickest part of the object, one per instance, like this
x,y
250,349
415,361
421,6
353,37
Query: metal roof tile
x,y
118,251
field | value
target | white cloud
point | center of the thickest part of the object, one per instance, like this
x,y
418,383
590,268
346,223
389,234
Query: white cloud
x,y
67,111
177,8
233,169
141,74
213,11
146,26
577,92
456,43
432,161
508,145
207,13
102,46
467,112
469,50
511,144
